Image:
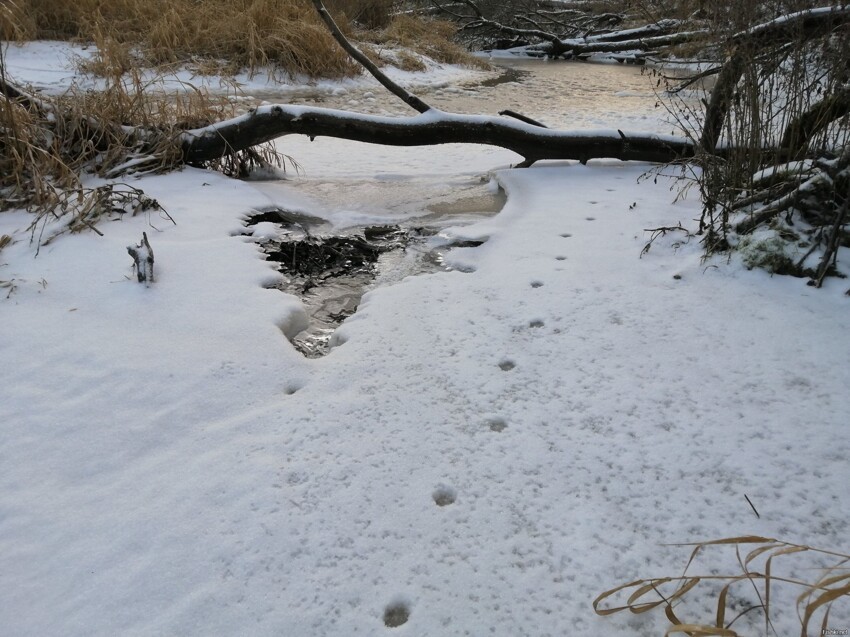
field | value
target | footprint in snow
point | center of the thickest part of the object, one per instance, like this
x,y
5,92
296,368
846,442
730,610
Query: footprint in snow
x,y
444,495
396,614
497,424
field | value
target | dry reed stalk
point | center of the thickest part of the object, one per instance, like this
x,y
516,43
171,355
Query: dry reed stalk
x,y
817,596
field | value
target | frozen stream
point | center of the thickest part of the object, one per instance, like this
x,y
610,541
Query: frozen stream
x,y
409,189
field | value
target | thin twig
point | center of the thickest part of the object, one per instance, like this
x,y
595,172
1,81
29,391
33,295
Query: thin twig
x,y
752,505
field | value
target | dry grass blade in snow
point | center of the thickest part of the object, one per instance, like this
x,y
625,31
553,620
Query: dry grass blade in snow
x,y
817,597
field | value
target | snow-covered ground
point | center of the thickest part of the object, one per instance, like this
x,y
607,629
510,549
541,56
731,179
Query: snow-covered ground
x,y
490,448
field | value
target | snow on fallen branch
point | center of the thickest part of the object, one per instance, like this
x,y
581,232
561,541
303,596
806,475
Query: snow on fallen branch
x,y
433,127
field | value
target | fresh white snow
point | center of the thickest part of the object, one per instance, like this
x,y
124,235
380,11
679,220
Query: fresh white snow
x,y
170,465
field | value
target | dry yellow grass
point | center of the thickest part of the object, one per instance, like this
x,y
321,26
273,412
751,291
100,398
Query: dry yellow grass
x,y
282,35
428,36
46,144
816,597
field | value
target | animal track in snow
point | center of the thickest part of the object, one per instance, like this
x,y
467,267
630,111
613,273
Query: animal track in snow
x,y
537,284
396,614
507,365
444,495
536,323
560,258
292,387
497,424
566,235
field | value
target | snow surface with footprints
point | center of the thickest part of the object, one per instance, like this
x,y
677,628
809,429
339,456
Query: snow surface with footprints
x,y
483,452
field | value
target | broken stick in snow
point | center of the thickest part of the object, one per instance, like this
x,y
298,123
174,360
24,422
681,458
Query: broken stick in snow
x,y
143,260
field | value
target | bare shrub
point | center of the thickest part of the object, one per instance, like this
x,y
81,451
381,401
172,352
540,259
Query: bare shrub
x,y
786,179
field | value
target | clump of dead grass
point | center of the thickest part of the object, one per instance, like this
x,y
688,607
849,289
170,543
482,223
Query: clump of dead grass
x,y
430,37
48,145
15,22
816,597
282,34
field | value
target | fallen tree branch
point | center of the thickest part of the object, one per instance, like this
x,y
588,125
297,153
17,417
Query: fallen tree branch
x,y
434,127
15,93
644,38
586,46
801,130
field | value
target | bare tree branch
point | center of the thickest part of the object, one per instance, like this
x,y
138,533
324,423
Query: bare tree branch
x,y
407,97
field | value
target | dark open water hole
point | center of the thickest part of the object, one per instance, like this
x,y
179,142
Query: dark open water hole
x,y
331,272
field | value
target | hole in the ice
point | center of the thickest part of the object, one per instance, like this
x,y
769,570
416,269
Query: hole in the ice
x,y
591,218
497,424
507,365
566,235
560,258
536,323
537,284
444,495
396,614
330,273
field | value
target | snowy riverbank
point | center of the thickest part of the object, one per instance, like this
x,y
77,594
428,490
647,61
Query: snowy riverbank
x,y
172,466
